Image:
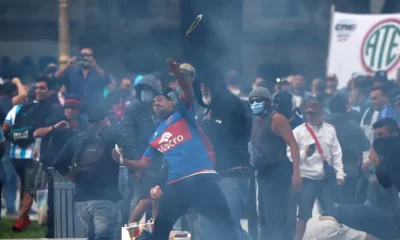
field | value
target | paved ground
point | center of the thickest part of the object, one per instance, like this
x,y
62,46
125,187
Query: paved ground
x,y
309,235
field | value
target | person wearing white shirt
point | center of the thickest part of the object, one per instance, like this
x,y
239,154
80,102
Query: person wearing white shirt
x,y
312,156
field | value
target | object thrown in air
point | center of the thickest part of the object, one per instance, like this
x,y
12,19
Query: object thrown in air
x,y
194,24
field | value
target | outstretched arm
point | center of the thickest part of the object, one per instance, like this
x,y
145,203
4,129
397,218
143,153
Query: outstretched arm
x,y
185,84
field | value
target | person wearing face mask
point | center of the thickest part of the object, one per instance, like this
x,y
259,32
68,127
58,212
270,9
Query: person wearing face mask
x,y
270,135
285,105
224,122
385,152
139,124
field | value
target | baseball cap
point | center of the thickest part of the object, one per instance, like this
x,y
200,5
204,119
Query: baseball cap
x,y
381,76
188,69
71,101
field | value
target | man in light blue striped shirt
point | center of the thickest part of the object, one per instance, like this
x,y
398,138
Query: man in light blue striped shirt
x,y
26,167
18,152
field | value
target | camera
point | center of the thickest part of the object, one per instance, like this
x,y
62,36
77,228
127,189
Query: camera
x,y
82,61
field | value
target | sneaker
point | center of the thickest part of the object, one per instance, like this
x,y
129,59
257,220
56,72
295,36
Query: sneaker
x,y
27,221
18,226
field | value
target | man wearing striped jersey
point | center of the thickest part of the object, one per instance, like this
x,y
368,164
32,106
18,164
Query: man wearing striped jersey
x,y
26,167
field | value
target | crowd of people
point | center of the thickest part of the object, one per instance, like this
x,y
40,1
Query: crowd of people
x,y
191,145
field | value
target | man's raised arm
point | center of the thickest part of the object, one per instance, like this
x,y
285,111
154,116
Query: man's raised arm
x,y
186,85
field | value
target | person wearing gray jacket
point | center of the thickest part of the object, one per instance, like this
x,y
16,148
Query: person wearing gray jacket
x,y
139,124
353,142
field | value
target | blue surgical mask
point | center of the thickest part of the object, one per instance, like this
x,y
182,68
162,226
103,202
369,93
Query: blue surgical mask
x,y
146,96
257,108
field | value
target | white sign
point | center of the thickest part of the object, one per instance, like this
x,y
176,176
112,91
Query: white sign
x,y
364,43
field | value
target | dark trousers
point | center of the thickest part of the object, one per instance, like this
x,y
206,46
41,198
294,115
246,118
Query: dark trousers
x,y
273,196
201,193
347,192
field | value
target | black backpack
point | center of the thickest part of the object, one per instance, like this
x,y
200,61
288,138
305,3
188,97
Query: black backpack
x,y
21,132
86,157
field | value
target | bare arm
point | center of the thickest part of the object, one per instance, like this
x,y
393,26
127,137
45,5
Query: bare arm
x,y
41,132
141,164
100,71
373,157
370,237
185,84
20,98
60,73
6,127
281,126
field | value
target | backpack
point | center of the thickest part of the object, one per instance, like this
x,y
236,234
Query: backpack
x,y
86,157
21,132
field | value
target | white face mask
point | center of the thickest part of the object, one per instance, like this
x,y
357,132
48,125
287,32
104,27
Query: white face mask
x,y
146,96
207,99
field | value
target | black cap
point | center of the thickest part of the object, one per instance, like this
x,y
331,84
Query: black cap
x,y
381,76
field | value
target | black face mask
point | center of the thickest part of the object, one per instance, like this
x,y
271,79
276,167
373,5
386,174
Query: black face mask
x,y
283,104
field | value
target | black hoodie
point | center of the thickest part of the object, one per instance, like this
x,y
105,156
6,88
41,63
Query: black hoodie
x,y
225,123
283,101
387,172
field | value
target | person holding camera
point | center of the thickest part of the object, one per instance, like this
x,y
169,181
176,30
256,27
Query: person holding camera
x,y
83,78
320,158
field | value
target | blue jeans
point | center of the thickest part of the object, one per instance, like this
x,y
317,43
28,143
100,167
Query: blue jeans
x,y
102,219
236,191
9,178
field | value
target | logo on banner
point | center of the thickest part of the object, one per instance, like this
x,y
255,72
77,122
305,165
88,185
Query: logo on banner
x,y
344,29
381,46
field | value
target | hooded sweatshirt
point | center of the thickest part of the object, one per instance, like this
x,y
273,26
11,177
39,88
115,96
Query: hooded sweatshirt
x,y
284,101
352,140
138,119
224,122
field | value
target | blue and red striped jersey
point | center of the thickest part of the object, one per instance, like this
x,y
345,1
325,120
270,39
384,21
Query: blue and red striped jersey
x,y
182,143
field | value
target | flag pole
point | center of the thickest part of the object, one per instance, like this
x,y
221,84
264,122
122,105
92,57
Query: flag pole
x,y
330,36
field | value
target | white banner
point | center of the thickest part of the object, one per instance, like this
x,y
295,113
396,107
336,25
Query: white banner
x,y
364,43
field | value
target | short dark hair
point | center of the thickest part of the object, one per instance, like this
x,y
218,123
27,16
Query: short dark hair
x,y
51,83
389,123
338,103
382,89
7,88
364,84
97,114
